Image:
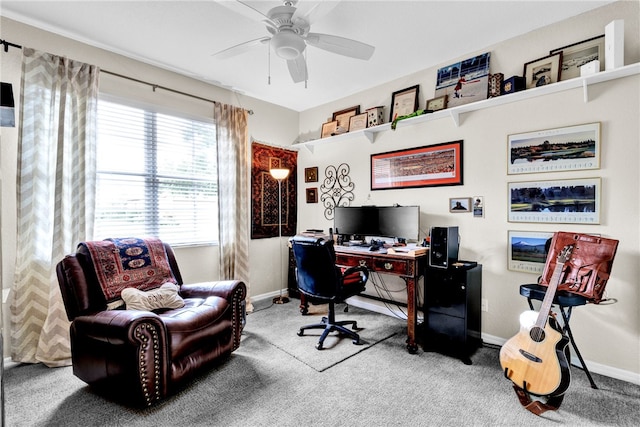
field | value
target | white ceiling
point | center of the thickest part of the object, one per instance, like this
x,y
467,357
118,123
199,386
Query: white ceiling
x,y
182,36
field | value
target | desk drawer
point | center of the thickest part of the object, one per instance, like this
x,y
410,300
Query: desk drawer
x,y
353,261
390,266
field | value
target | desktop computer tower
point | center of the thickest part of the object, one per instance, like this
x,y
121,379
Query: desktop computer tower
x,y
443,250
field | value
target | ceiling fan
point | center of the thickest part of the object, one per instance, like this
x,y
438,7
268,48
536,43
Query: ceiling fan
x,y
289,28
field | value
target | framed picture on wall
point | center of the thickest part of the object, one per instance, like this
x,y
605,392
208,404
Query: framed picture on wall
x,y
527,250
311,174
460,204
555,150
312,195
429,166
569,201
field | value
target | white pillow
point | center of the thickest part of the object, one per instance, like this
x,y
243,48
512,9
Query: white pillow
x,y
166,296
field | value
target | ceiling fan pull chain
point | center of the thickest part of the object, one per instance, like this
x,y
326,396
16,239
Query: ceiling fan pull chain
x,y
269,64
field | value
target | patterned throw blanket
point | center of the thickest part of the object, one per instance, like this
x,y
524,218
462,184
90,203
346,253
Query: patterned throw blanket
x,y
129,263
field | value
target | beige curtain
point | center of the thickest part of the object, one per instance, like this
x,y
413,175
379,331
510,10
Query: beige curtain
x,y
55,191
233,193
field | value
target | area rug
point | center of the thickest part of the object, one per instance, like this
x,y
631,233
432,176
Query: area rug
x,y
279,325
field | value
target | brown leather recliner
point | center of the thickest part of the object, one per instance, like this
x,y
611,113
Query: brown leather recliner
x,y
141,357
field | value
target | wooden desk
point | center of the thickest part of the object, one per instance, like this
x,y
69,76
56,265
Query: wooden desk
x,y
409,268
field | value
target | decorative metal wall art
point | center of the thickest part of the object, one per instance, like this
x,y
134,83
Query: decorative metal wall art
x,y
337,189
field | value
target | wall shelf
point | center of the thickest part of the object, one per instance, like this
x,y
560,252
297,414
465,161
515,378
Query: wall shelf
x,y
455,112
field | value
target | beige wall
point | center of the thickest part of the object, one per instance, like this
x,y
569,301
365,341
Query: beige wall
x,y
608,335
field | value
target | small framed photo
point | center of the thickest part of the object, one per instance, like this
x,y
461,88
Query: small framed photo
x,y
329,128
311,174
543,71
435,104
404,102
528,250
460,204
343,117
358,122
312,195
576,55
478,206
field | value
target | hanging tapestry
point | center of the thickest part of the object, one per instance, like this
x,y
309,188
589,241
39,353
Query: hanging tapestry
x,y
264,191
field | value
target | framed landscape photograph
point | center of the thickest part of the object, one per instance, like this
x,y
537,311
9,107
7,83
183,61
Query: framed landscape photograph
x,y
404,102
430,166
464,81
571,201
542,71
555,150
527,250
576,55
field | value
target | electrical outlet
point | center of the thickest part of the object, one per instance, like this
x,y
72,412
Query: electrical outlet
x,y
485,304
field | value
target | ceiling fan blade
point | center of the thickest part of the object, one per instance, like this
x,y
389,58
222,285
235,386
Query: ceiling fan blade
x,y
298,69
244,9
340,45
312,12
240,48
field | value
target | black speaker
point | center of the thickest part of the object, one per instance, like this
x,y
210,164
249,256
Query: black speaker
x,y
443,250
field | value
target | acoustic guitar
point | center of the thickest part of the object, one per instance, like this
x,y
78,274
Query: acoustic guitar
x,y
536,359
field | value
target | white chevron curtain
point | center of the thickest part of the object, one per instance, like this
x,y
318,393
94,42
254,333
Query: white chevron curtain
x,y
233,193
56,197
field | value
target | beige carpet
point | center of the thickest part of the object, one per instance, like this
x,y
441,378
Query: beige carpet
x,y
284,322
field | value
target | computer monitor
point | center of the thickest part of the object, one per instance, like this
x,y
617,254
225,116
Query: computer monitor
x,y
378,221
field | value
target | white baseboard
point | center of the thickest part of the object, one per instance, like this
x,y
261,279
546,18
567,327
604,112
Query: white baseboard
x,y
378,307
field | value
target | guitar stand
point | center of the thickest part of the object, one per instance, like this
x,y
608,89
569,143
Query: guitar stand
x,y
565,301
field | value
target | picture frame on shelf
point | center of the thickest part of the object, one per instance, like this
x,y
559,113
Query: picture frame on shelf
x,y
577,54
404,102
543,71
329,129
311,174
460,204
312,195
562,149
569,201
428,166
464,81
438,103
527,250
343,117
358,122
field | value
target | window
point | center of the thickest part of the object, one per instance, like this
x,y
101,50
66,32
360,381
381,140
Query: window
x,y
156,176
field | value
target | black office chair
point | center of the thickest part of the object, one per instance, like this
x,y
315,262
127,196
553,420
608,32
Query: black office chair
x,y
323,282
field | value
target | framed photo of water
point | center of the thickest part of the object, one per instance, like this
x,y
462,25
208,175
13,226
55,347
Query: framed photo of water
x,y
555,150
569,201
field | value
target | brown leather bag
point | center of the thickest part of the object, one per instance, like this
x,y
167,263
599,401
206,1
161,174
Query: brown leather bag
x,y
588,270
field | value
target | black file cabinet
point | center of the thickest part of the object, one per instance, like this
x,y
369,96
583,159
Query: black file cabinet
x,y
452,303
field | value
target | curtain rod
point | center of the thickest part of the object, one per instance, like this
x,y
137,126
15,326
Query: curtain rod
x,y
155,86
8,44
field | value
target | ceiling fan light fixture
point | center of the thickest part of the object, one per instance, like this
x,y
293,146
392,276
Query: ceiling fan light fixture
x,y
287,45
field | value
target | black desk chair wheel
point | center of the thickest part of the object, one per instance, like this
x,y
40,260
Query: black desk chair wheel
x,y
565,301
322,282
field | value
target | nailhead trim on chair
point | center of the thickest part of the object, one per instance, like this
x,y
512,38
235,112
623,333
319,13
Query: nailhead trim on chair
x,y
235,320
142,331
